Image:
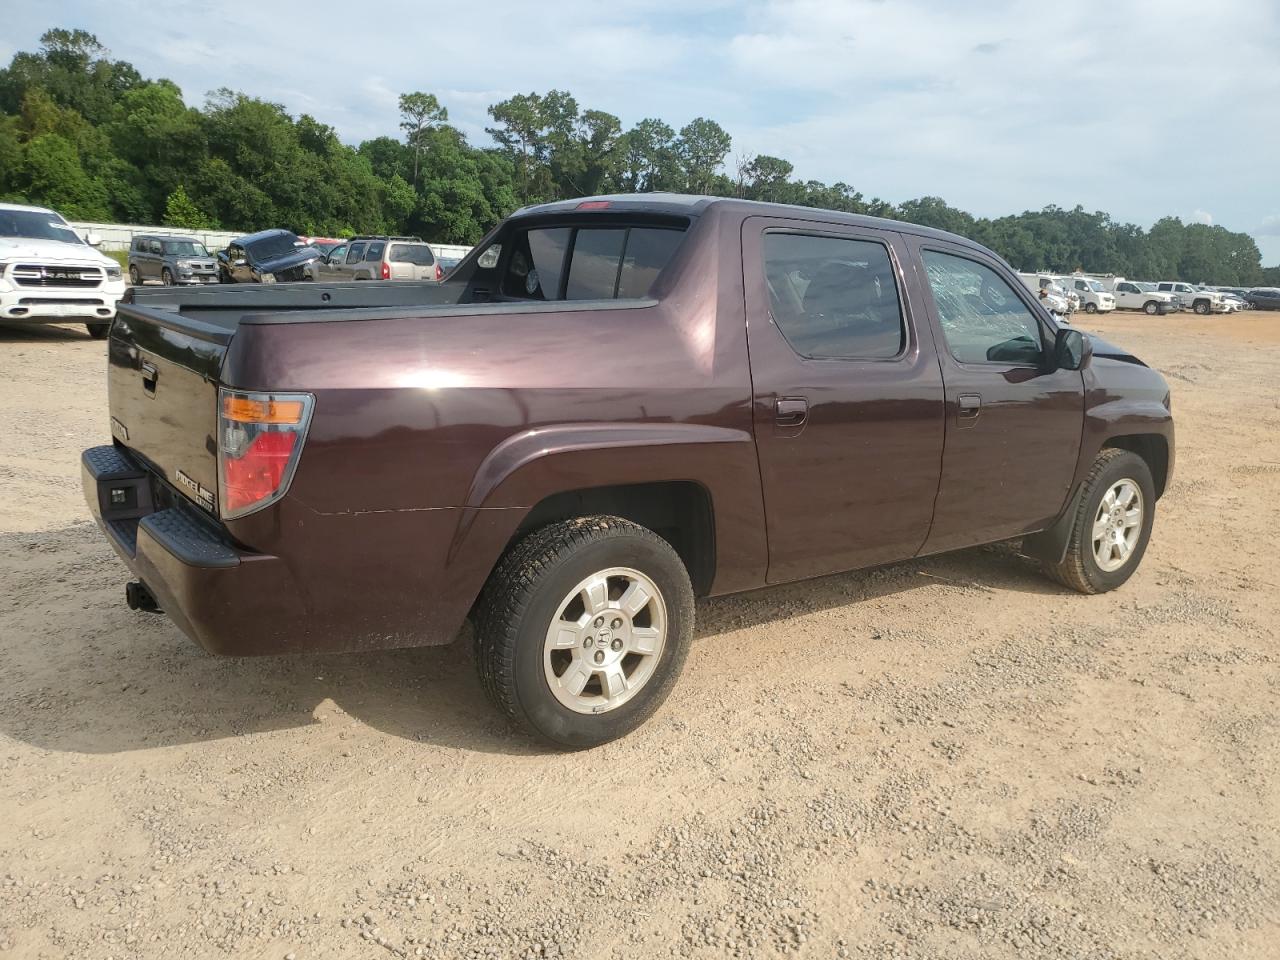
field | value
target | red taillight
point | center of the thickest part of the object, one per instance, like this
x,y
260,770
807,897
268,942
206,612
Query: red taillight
x,y
439,273
257,474
260,438
386,270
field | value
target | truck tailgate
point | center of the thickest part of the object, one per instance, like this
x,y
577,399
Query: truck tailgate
x,y
162,382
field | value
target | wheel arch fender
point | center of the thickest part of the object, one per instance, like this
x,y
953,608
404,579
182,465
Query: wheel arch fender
x,y
531,467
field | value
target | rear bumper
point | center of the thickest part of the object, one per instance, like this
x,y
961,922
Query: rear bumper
x,y
231,602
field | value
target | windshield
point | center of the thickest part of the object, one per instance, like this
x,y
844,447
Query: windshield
x,y
36,225
1094,285
185,248
279,245
1147,287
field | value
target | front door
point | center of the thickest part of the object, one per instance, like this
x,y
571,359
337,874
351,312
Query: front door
x,y
1013,424
848,398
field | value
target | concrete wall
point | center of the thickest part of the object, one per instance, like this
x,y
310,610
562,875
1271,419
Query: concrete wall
x,y
118,236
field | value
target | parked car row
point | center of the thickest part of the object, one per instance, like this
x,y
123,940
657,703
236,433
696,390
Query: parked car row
x,y
280,256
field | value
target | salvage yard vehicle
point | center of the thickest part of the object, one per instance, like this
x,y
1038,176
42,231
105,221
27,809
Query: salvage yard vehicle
x,y
1093,296
270,256
1199,299
49,274
1264,298
1131,295
378,258
170,260
1054,297
611,407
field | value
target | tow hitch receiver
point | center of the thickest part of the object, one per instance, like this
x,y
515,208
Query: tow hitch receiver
x,y
139,597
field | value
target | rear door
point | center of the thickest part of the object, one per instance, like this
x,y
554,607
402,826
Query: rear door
x,y
347,268
848,397
1013,425
371,268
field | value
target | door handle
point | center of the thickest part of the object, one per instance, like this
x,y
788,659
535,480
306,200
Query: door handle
x,y
149,377
969,406
790,411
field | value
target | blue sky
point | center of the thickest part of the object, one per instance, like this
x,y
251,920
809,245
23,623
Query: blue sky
x,y
1141,108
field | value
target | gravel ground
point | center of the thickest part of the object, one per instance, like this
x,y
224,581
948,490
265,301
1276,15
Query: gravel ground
x,y
949,758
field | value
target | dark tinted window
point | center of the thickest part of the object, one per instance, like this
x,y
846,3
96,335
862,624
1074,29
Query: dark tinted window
x,y
648,251
374,253
832,297
355,252
418,254
982,318
604,262
593,271
536,263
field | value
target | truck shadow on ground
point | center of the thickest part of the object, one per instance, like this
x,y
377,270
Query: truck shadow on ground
x,y
80,672
42,332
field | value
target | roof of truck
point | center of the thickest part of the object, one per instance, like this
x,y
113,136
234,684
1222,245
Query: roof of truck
x,y
693,205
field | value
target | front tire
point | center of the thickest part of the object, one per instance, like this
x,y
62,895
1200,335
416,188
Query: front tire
x,y
1151,308
1090,308
98,331
583,628
1201,307
166,277
134,278
1112,526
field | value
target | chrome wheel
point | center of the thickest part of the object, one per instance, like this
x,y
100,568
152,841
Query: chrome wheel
x,y
1117,525
605,640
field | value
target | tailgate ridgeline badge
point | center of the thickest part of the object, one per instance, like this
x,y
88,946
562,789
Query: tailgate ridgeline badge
x,y
203,497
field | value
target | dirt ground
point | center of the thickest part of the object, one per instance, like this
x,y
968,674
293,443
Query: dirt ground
x,y
949,758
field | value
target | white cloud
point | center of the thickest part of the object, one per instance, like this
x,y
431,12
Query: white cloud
x,y
1202,216
1130,106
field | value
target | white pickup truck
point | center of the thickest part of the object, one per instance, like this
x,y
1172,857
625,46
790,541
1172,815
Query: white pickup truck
x,y
1094,297
1200,300
48,274
1132,295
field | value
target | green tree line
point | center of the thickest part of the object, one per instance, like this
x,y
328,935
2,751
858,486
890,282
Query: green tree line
x,y
94,139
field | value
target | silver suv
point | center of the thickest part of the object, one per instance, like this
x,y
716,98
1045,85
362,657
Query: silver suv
x,y
379,258
171,260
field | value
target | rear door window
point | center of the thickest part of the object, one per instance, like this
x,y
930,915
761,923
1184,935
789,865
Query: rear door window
x,y
374,253
834,297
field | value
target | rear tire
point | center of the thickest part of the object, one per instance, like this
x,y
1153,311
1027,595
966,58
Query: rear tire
x,y
1151,308
1107,539
98,331
558,646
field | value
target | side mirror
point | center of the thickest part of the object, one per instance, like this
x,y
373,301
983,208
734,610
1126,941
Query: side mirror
x,y
1072,350
93,239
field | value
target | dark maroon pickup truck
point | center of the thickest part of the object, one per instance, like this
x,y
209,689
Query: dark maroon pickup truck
x,y
611,407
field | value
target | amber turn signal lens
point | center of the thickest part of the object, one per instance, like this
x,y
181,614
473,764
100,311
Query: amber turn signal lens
x,y
249,410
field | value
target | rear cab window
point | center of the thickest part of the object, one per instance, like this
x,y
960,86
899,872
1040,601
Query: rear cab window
x,y
611,261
